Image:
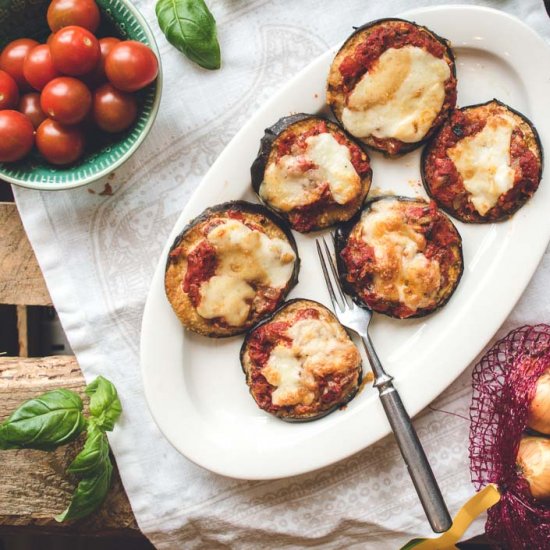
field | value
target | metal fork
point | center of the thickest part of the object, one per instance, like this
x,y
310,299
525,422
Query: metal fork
x,y
357,319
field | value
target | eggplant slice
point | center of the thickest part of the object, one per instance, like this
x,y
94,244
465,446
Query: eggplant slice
x,y
311,172
300,363
230,267
392,84
400,256
484,164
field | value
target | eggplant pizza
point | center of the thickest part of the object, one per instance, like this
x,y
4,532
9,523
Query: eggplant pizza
x,y
392,84
484,163
300,363
311,172
400,256
230,267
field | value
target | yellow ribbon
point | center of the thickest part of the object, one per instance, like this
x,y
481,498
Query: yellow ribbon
x,y
480,502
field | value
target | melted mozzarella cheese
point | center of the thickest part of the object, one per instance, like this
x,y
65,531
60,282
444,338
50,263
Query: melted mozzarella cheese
x,y
402,272
244,257
227,297
287,186
399,97
315,340
251,255
284,371
483,161
318,348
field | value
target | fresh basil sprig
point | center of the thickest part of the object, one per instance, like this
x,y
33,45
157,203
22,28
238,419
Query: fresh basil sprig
x,y
92,457
44,423
89,493
55,418
105,406
190,27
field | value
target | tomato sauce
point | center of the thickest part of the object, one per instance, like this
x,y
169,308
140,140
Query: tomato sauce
x,y
288,139
201,266
307,313
356,64
446,184
260,345
393,35
441,242
358,157
304,218
264,339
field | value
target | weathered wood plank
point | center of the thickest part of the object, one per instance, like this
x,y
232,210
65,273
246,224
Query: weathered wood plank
x,y
33,484
22,332
21,281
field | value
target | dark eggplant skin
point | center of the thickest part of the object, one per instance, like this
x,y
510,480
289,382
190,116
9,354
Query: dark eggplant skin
x,y
257,170
269,319
244,207
478,218
341,237
406,147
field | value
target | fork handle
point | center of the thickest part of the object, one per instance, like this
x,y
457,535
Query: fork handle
x,y
411,449
419,468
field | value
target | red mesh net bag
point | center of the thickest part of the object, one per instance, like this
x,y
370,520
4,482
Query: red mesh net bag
x,y
504,383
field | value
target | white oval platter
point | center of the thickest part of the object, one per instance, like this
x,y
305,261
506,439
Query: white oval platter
x,y
194,385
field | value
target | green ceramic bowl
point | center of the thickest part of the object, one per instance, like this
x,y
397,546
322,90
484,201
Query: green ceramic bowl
x,y
104,152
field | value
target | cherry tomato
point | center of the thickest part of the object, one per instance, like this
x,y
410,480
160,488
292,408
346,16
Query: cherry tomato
x,y
113,110
97,76
66,100
75,50
59,144
38,68
131,65
29,105
16,136
12,58
9,93
84,13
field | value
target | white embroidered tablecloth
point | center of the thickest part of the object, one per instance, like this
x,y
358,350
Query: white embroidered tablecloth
x,y
98,253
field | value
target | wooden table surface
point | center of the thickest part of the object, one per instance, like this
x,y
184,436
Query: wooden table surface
x,y
33,484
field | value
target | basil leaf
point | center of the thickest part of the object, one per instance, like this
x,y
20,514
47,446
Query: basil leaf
x,y
44,422
93,455
105,406
89,493
190,27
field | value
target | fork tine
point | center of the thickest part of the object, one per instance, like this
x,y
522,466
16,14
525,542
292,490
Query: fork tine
x,y
335,274
336,306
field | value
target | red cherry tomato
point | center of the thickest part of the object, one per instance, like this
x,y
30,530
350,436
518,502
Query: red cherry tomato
x,y
59,144
9,93
97,76
113,110
66,100
84,13
38,67
75,50
131,66
12,58
16,136
29,105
